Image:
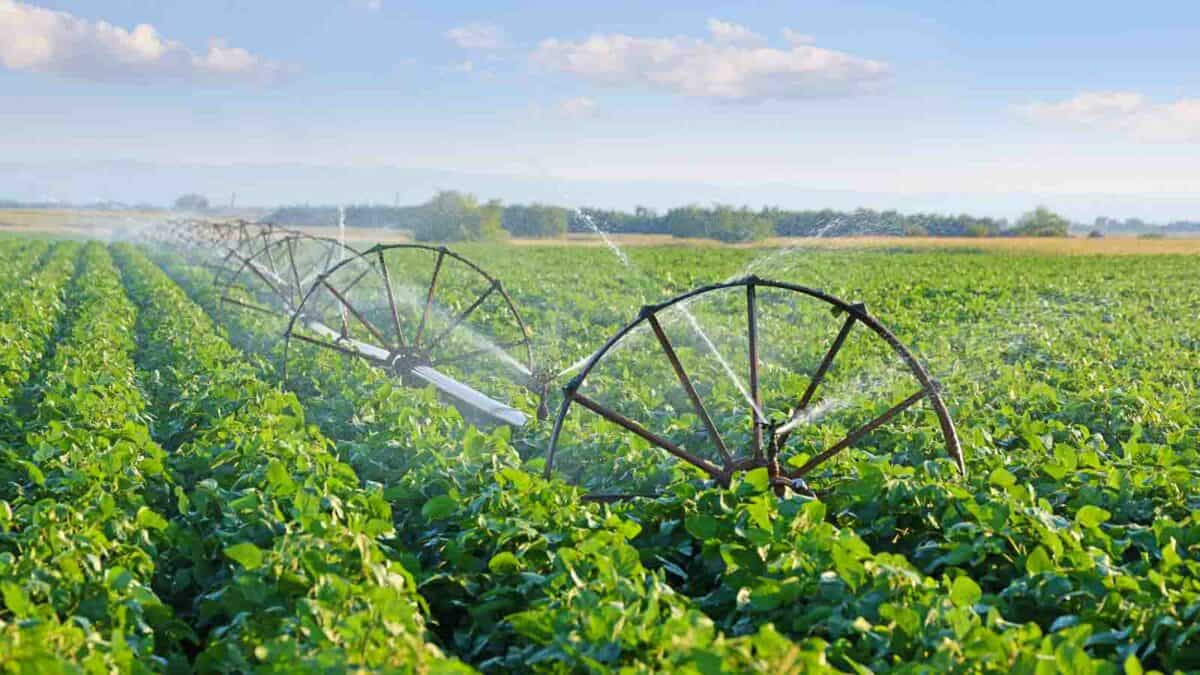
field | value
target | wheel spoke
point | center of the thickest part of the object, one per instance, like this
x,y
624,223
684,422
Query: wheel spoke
x,y
361,275
317,306
854,436
295,272
334,346
786,430
686,381
357,315
248,305
462,317
328,259
752,337
387,283
258,272
267,250
631,426
437,267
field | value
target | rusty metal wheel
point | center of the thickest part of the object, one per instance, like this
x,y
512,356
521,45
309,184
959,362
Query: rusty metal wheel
x,y
772,423
426,315
274,276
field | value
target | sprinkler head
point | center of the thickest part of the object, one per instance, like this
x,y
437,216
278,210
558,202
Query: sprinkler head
x,y
799,486
573,384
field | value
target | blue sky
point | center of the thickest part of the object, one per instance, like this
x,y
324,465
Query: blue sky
x,y
978,106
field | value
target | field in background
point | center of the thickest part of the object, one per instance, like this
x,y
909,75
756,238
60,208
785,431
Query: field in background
x,y
74,223
106,224
1065,246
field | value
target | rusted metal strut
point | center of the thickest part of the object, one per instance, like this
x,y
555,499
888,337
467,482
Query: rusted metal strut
x,y
768,439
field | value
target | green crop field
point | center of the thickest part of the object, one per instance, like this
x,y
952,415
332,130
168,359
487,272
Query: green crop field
x,y
173,500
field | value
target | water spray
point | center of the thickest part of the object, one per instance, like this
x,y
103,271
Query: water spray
x,y
318,284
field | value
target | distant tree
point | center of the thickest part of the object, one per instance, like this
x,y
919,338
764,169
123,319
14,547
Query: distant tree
x,y
449,216
1095,234
491,220
536,220
191,202
721,222
453,216
1040,222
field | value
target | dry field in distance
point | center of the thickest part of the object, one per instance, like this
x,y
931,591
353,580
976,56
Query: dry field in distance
x,y
103,224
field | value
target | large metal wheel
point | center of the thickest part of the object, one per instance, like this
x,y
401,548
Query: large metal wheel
x,y
426,315
774,418
274,271
233,243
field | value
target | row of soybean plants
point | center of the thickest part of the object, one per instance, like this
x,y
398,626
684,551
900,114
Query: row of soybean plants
x,y
513,570
517,571
80,537
277,560
31,289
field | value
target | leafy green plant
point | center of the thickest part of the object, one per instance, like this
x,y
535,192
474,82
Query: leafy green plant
x,y
164,507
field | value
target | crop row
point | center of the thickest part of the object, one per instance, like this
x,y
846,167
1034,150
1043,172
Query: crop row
x,y
276,559
30,304
81,540
1056,548
22,256
518,571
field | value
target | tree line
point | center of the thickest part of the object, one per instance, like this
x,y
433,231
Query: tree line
x,y
1104,225
456,216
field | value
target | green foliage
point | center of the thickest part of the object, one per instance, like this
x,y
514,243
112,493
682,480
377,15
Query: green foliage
x,y
82,541
276,558
455,216
1040,222
163,508
904,565
721,222
535,220
491,221
543,220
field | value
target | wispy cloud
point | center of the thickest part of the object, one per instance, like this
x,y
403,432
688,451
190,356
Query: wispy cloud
x,y
578,107
1126,112
466,66
732,33
477,36
795,37
41,40
732,65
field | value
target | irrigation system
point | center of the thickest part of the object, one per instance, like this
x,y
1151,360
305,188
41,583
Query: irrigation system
x,y
429,316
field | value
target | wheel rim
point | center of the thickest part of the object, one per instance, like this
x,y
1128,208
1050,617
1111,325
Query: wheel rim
x,y
768,438
401,307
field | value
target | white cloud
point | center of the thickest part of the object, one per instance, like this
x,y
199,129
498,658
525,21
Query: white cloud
x,y
477,36
578,107
47,41
1128,112
795,37
711,69
732,33
1091,106
374,5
